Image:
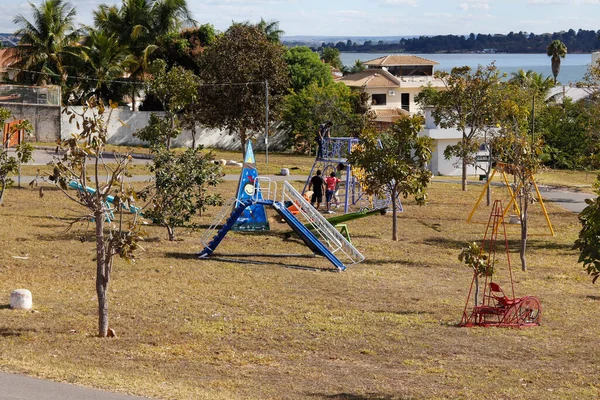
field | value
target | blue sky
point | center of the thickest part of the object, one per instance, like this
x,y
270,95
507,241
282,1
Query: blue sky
x,y
372,17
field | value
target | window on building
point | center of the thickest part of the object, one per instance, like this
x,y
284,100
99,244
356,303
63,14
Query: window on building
x,y
405,101
378,99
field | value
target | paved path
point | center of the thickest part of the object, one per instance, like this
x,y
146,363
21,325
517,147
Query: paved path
x,y
573,201
19,387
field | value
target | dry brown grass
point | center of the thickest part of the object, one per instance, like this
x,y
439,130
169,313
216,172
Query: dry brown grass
x,y
384,329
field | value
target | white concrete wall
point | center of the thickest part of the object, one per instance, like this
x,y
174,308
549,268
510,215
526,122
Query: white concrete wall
x,y
123,123
443,138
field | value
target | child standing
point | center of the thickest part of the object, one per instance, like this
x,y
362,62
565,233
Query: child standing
x,y
316,184
331,182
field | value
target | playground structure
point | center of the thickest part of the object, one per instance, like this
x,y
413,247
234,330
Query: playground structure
x,y
496,307
504,169
254,217
352,192
108,215
326,241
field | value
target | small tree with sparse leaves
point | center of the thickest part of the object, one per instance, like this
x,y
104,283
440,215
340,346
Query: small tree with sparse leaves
x,y
116,229
473,257
395,162
180,189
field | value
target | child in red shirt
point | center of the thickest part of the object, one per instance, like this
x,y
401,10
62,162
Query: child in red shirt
x,y
331,182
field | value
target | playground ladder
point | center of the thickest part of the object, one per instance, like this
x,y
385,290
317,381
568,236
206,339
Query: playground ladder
x,y
334,240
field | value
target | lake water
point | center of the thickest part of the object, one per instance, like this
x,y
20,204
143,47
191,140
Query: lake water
x,y
572,67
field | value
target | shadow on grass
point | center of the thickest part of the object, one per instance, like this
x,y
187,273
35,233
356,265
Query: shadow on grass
x,y
15,332
243,259
513,244
402,312
368,396
374,261
182,256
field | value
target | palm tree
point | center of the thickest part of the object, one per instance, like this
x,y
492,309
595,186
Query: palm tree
x,y
139,24
99,62
271,30
540,83
521,77
556,50
45,41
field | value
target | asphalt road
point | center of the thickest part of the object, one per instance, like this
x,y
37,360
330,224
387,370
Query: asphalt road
x,y
19,387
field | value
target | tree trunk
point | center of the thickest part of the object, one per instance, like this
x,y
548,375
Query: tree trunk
x,y
476,299
133,97
464,173
2,189
243,141
394,215
172,123
524,209
171,232
102,274
194,136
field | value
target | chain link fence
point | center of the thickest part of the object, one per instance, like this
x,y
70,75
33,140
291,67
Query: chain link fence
x,y
48,95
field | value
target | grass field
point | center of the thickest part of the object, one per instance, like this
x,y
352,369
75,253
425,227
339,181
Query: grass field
x,y
384,329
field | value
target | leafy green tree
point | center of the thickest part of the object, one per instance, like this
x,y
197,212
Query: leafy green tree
x,y
331,56
305,67
139,24
113,236
395,162
180,188
45,40
588,242
556,50
305,110
235,71
9,165
564,128
183,48
469,104
176,90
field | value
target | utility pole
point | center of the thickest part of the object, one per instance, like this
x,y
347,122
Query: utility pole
x,y
267,121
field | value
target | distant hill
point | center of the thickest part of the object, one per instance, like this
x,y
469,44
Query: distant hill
x,y
312,41
8,39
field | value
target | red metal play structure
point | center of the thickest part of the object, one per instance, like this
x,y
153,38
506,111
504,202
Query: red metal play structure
x,y
495,307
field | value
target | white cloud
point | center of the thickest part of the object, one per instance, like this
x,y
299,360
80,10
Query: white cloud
x,y
562,2
397,3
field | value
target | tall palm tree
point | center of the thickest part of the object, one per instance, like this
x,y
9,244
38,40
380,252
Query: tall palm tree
x,y
45,41
556,50
139,24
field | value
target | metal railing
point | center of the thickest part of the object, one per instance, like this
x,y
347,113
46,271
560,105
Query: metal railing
x,y
334,240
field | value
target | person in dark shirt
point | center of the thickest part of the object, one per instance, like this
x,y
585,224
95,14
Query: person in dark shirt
x,y
324,132
317,184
